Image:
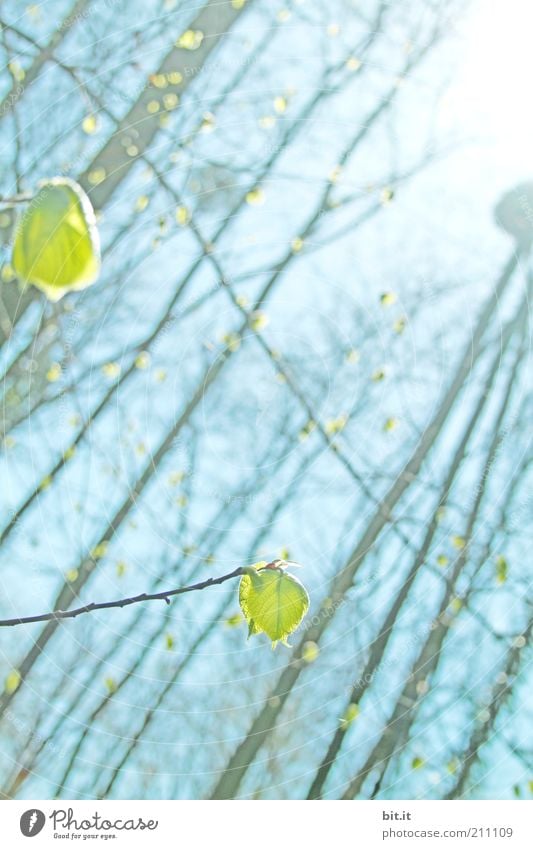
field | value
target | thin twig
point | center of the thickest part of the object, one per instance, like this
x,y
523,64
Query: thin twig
x,y
22,198
165,595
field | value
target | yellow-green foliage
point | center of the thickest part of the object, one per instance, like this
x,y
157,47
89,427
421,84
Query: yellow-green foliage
x,y
272,602
56,244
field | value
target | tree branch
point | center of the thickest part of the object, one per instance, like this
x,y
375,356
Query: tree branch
x,y
165,595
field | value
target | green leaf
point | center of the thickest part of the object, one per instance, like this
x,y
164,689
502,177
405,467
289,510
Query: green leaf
x,y
502,569
12,681
350,715
233,621
111,685
310,651
272,602
56,245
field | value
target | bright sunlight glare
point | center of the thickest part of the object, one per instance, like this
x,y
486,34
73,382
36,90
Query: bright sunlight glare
x,y
492,94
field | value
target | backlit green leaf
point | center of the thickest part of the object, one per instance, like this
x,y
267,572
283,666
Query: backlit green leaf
x,y
56,244
272,602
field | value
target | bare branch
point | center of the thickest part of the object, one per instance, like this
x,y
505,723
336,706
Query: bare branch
x,y
165,595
